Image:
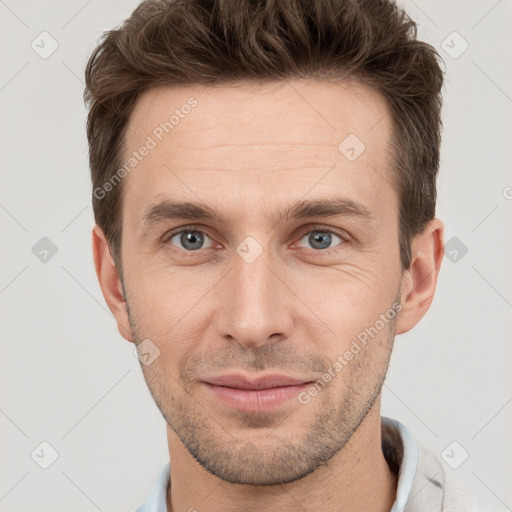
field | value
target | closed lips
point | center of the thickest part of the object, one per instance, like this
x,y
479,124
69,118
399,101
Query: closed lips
x,y
262,382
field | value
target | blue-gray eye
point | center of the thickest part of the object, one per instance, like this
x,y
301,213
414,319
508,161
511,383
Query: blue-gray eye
x,y
190,240
321,239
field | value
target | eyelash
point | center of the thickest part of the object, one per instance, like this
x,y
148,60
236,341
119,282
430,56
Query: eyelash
x,y
319,228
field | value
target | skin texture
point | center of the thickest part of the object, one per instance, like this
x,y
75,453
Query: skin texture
x,y
250,151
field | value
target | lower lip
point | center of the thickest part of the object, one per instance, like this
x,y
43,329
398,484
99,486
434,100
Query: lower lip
x,y
252,400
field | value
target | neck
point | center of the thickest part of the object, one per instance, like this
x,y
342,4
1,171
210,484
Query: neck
x,y
357,478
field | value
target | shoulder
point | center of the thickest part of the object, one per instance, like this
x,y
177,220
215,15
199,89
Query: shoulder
x,y
438,488
425,483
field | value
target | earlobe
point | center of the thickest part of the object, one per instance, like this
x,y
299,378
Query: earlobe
x,y
419,281
110,283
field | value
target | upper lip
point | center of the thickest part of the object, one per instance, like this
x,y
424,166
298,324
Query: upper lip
x,y
263,382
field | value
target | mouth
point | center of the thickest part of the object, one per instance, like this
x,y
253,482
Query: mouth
x,y
262,394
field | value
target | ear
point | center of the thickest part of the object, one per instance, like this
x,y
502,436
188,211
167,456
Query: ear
x,y
419,281
110,282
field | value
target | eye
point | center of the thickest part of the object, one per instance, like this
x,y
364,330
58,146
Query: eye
x,y
321,239
190,240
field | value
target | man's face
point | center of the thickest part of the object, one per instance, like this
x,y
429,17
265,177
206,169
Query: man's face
x,y
254,292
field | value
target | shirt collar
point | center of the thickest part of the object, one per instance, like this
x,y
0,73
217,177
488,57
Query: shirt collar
x,y
408,460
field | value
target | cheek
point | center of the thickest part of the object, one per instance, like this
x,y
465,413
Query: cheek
x,y
171,308
348,297
157,287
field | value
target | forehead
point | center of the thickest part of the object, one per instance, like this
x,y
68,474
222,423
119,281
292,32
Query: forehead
x,y
257,142
317,111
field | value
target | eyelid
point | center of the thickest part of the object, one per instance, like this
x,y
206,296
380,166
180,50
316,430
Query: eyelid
x,y
326,229
176,231
342,234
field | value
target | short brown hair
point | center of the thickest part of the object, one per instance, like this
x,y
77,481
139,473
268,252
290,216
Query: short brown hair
x,y
216,42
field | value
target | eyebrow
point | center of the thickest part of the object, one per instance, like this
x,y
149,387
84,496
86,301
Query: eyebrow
x,y
166,210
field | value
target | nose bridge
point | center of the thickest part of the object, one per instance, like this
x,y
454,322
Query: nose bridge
x,y
253,309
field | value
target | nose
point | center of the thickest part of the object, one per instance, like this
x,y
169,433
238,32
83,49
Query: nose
x,y
255,303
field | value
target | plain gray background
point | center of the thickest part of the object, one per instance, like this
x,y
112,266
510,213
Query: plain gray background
x,y
70,380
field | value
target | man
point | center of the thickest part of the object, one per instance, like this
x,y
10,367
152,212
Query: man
x,y
264,187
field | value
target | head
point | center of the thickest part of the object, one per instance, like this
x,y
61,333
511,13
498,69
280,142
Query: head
x,y
264,187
